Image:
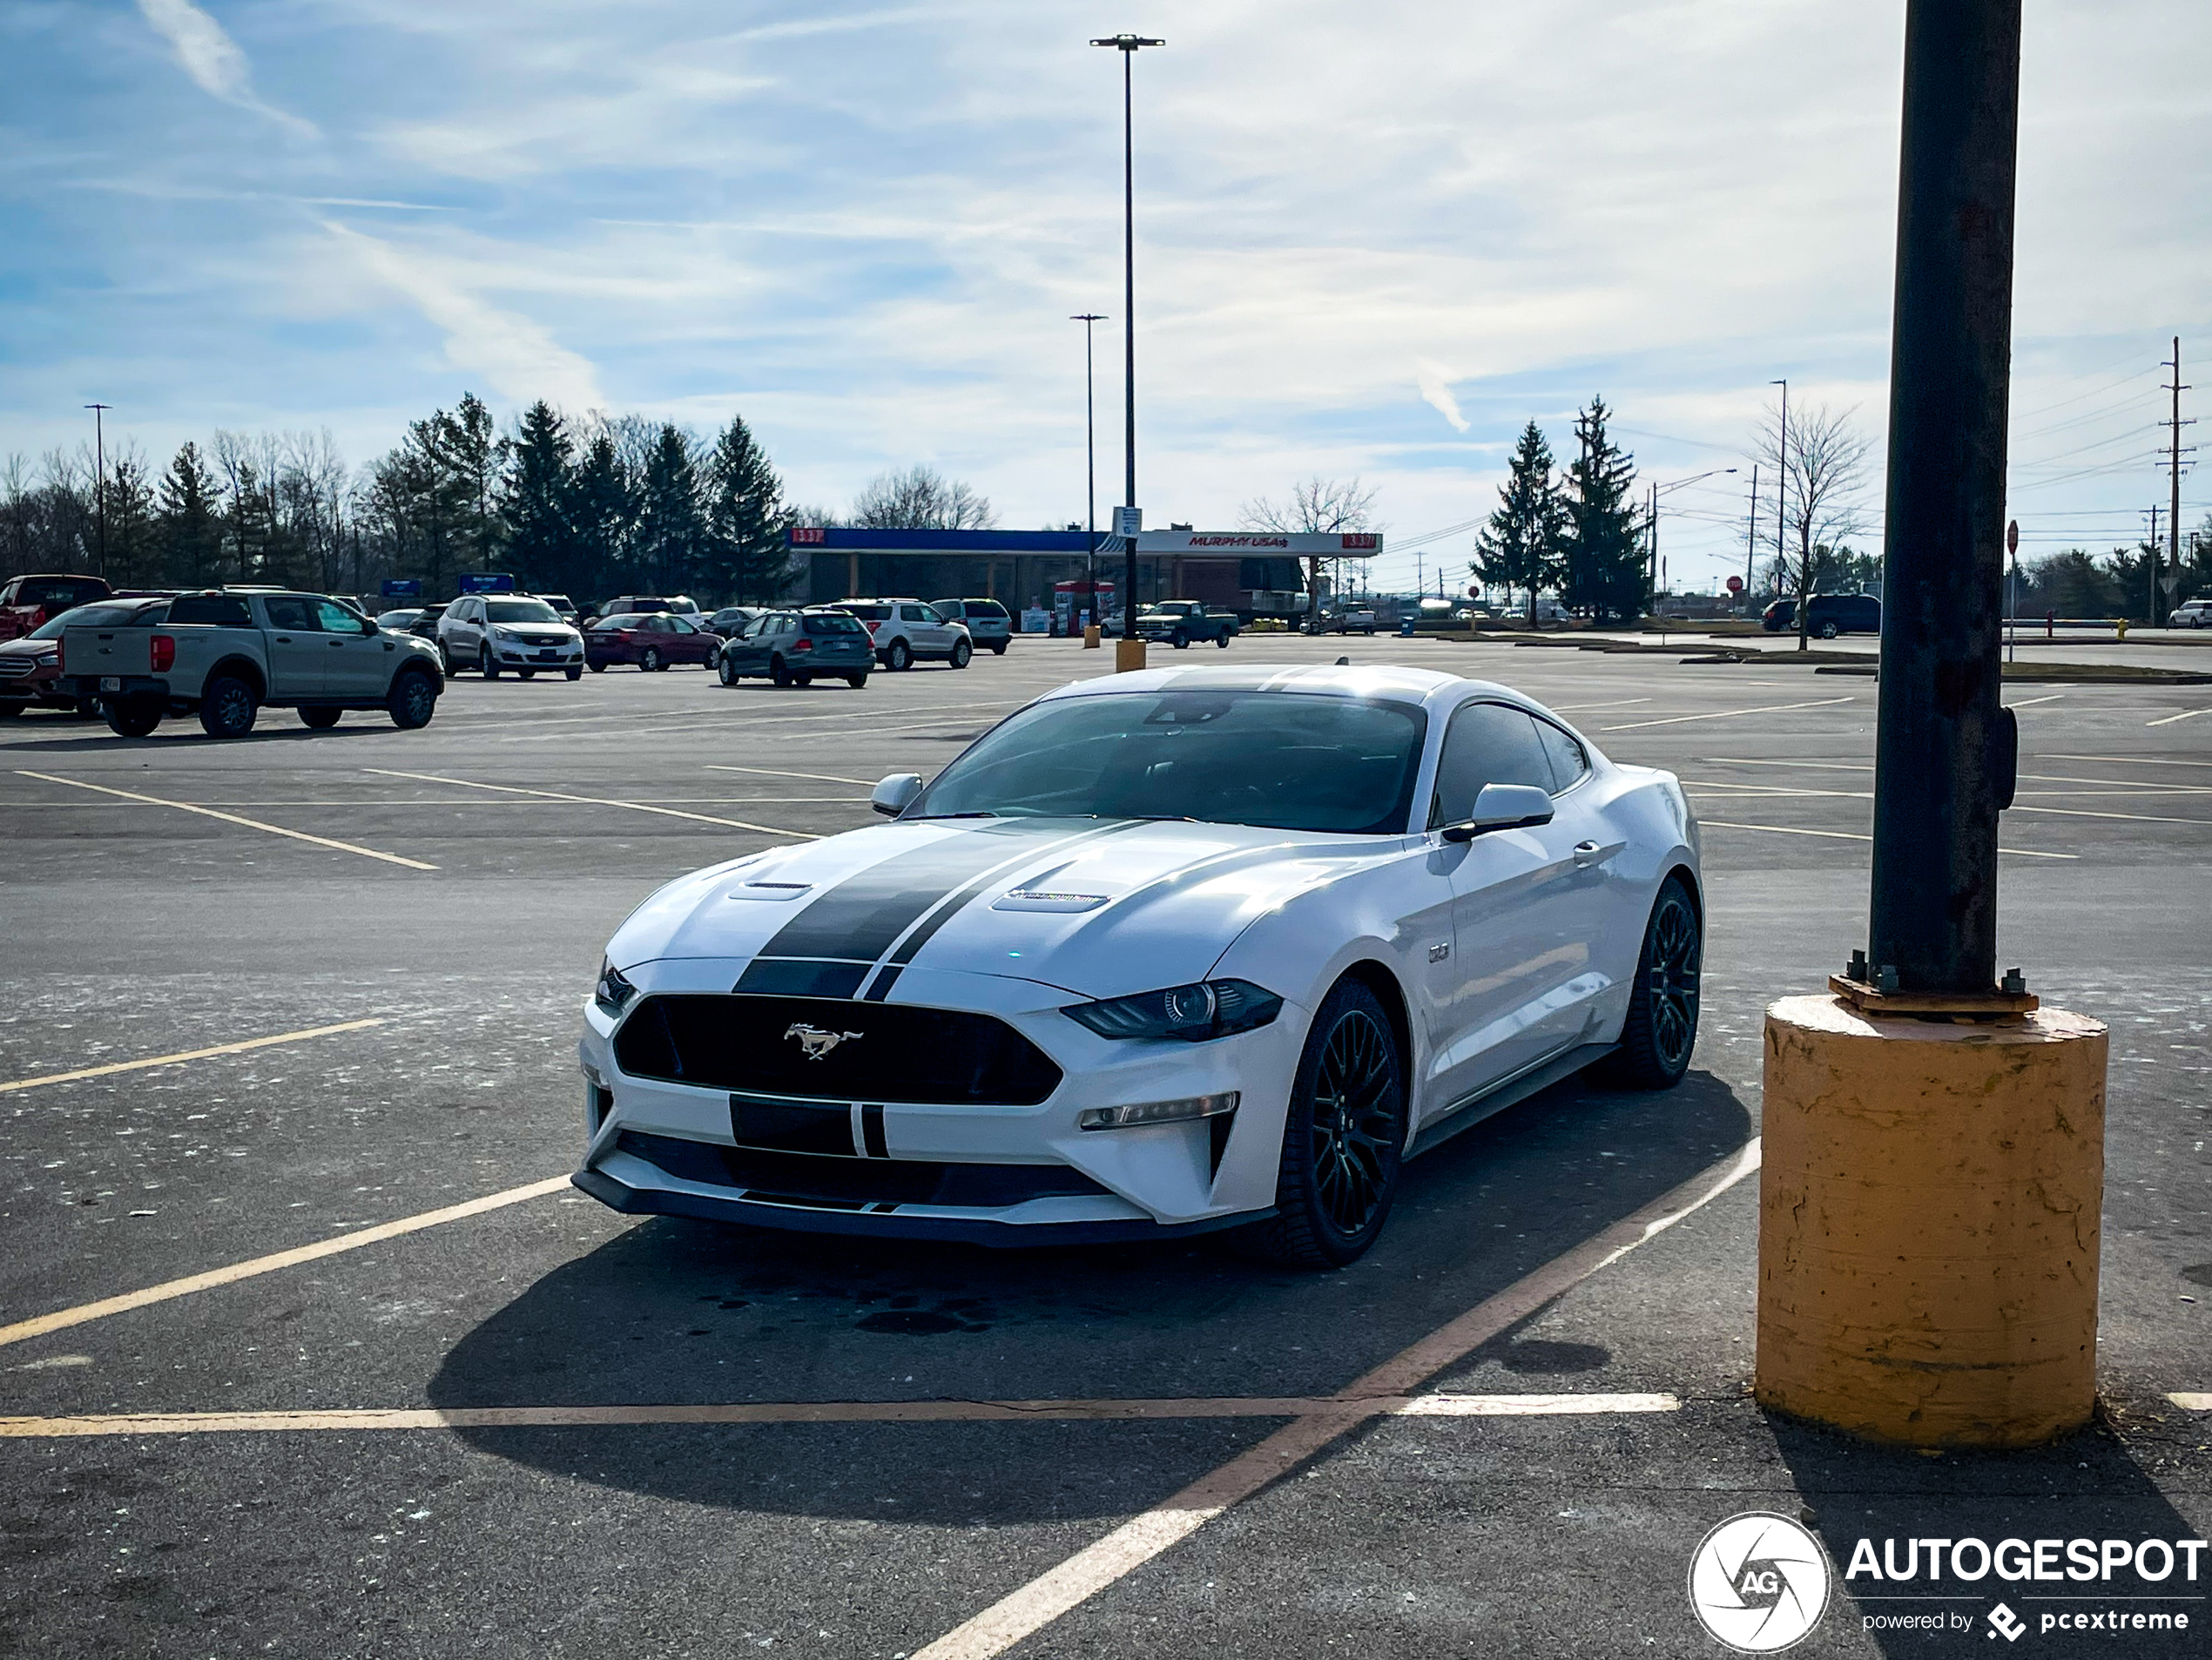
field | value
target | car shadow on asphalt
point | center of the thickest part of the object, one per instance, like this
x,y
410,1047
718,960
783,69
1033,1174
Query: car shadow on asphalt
x,y
673,1310
2088,1485
371,723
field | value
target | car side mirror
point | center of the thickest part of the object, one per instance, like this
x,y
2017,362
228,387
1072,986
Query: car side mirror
x,y
1503,807
896,794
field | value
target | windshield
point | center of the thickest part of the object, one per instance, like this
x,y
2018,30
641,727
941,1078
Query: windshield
x,y
99,616
820,625
1284,760
521,610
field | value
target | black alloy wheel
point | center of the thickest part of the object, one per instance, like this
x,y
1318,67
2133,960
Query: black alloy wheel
x,y
1827,630
319,720
649,660
131,717
1343,1140
1662,1026
227,705
411,700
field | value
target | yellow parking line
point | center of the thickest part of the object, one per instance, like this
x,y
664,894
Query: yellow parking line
x,y
1853,835
594,800
231,818
239,1048
834,1412
23,1331
1726,714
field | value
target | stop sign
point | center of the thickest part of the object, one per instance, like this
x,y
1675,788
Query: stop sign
x,y
1736,584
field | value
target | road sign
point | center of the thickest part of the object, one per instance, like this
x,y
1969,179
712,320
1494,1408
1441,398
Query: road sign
x,y
1129,521
402,588
1736,584
2013,537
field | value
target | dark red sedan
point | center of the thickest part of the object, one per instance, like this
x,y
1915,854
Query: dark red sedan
x,y
650,639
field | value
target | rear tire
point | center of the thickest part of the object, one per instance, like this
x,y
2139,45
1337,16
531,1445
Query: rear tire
x,y
596,667
1223,639
319,720
1827,631
526,674
779,671
1662,1026
802,679
858,682
1343,1140
651,662
227,705
134,718
962,654
411,700
998,647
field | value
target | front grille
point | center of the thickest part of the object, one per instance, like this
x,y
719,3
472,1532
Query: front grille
x,y
12,667
850,1184
884,1052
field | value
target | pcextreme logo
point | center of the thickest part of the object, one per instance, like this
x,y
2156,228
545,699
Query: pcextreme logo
x,y
1759,1582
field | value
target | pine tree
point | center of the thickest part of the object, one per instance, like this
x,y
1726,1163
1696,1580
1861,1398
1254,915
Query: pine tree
x,y
190,535
602,509
671,531
1606,571
745,519
1521,546
538,541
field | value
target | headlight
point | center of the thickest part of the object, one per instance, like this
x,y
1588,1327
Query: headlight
x,y
502,634
613,993
50,659
1212,1008
1156,1112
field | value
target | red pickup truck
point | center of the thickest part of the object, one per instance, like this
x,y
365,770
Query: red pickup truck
x,y
32,602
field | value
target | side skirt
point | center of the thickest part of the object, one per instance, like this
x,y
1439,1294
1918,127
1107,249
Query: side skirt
x,y
1507,1092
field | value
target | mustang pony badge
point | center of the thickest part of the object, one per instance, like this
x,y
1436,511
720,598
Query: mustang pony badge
x,y
815,1043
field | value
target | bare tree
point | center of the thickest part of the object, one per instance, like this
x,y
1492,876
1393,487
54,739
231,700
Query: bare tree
x,y
1315,504
1823,471
921,498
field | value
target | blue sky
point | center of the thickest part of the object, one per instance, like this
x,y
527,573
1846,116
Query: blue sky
x,y
1373,239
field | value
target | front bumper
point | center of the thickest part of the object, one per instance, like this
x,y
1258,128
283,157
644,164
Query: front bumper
x,y
663,1148
530,657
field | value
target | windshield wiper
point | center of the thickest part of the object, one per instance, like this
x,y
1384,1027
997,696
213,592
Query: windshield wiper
x,y
979,814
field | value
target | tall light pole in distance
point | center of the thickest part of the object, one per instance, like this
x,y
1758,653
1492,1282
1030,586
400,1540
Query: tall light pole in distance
x,y
1130,653
1782,514
1090,474
99,478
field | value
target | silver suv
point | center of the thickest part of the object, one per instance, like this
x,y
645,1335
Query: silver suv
x,y
906,631
490,632
989,624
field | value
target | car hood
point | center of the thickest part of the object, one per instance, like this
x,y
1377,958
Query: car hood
x,y
1100,907
25,646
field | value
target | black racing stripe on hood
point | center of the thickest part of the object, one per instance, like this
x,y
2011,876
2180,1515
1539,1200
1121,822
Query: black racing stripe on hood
x,y
862,917
802,977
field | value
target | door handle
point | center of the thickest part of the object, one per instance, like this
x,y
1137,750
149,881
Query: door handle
x,y
1588,854
284,639
335,645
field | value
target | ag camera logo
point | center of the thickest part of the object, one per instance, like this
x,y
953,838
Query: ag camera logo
x,y
1759,1582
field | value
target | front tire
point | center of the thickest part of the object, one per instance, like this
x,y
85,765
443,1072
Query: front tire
x,y
1343,1140
1180,640
962,651
576,674
651,662
1662,1026
1827,631
319,720
411,700
729,675
227,705
135,717
485,666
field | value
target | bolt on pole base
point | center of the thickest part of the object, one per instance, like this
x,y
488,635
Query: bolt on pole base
x,y
1129,656
1930,1196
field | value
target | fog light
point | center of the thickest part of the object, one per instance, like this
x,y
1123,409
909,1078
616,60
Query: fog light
x,y
1157,1112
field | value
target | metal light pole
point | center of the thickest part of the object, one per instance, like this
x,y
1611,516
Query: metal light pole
x,y
99,478
1090,474
1129,46
1751,538
1782,510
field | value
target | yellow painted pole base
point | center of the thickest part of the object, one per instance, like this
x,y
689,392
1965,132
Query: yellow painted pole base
x,y
1129,656
1090,637
1930,1195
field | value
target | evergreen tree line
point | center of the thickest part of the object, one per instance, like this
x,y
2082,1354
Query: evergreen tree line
x,y
1580,532
589,506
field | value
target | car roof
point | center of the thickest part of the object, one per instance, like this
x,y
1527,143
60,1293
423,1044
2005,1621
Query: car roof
x,y
1387,681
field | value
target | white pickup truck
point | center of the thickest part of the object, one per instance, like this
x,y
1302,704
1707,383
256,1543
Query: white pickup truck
x,y
223,654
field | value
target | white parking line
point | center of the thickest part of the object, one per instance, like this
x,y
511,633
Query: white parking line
x,y
239,1048
61,1319
2131,760
1727,714
2186,714
2191,1401
1129,1547
2030,703
832,1411
770,772
1853,835
594,800
2089,812
231,818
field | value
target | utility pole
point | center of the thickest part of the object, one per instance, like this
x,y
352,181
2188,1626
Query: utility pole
x,y
1090,475
2150,560
2174,515
1751,538
1130,649
99,478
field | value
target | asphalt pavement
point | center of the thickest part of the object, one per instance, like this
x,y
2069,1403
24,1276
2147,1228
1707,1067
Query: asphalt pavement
x,y
416,918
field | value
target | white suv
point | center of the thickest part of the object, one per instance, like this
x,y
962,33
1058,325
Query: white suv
x,y
2191,613
489,632
907,631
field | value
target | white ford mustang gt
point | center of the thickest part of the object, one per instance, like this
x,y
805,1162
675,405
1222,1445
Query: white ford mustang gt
x,y
1161,953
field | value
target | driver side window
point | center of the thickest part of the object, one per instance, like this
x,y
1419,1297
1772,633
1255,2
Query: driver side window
x,y
1486,743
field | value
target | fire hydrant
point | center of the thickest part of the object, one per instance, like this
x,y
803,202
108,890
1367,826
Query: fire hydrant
x,y
2121,623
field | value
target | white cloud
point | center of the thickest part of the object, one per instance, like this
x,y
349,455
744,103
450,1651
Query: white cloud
x,y
517,357
213,58
1435,382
